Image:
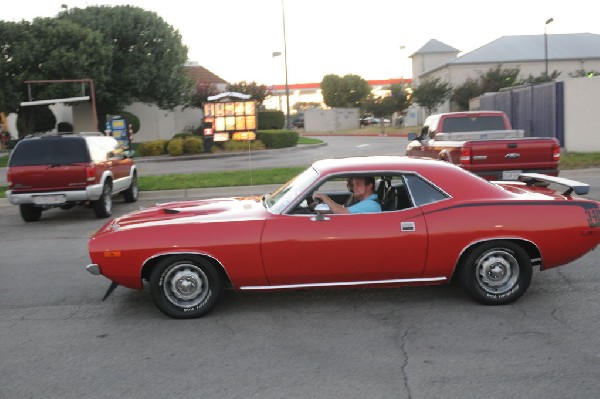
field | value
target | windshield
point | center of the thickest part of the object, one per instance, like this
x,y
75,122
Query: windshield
x,y
284,195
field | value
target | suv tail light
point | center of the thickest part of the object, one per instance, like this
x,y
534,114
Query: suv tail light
x,y
9,178
90,173
465,156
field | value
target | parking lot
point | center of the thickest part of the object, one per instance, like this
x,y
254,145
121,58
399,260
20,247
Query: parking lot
x,y
60,340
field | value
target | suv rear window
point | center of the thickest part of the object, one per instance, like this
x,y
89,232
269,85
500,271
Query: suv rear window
x,y
50,151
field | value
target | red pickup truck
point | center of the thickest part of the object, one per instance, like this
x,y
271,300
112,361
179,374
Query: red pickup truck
x,y
483,142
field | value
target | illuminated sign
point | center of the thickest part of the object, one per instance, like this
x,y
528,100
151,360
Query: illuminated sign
x,y
234,120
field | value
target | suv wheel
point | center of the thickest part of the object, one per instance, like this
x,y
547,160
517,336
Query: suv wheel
x,y
103,207
30,213
131,194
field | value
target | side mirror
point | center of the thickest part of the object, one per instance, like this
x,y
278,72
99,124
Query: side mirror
x,y
412,136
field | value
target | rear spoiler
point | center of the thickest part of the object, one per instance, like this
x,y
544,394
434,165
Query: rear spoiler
x,y
532,179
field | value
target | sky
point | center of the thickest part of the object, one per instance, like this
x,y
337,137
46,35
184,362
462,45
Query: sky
x,y
236,39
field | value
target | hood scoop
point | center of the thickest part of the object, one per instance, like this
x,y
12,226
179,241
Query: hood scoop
x,y
171,211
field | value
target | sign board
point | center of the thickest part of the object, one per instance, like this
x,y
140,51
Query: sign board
x,y
231,120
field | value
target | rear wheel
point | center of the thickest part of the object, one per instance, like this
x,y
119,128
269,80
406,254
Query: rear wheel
x,y
131,194
103,206
30,213
185,287
496,273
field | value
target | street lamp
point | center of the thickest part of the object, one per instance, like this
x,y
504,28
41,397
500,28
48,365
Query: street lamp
x,y
287,87
546,45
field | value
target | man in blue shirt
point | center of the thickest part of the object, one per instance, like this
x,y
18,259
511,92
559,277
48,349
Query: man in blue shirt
x,y
363,189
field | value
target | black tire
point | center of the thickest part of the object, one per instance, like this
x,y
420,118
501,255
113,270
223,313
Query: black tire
x,y
496,273
103,206
185,287
131,194
30,213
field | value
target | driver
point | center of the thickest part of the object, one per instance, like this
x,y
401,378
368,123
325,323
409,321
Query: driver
x,y
363,189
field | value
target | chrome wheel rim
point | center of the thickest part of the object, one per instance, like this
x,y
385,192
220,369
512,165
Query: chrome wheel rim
x,y
185,285
497,271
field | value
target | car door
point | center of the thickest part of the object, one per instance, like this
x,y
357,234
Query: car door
x,y
344,248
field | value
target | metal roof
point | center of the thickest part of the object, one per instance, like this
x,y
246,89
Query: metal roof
x,y
531,48
435,46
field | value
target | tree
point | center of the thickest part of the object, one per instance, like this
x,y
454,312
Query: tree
x,y
47,49
541,78
432,93
202,92
465,92
348,91
497,78
583,73
257,92
147,58
35,119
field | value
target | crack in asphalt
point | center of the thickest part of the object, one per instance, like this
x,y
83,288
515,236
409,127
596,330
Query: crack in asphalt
x,y
405,362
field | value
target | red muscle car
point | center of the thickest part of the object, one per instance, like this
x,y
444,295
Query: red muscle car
x,y
438,222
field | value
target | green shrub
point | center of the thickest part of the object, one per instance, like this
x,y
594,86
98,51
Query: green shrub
x,y
175,147
151,148
278,138
192,145
270,119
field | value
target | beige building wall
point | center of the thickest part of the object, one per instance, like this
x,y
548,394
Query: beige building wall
x,y
582,114
330,120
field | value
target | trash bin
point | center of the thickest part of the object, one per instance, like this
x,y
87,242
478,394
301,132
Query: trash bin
x,y
208,137
208,142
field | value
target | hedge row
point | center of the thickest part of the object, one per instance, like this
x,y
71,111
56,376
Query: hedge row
x,y
188,144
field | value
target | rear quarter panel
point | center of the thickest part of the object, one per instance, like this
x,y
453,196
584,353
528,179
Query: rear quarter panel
x,y
554,227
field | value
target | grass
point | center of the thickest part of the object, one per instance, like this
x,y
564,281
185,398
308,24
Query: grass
x,y
218,179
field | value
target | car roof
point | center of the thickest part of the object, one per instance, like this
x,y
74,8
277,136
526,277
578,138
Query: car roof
x,y
454,180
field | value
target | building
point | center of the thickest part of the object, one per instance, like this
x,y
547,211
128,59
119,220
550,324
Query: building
x,y
568,54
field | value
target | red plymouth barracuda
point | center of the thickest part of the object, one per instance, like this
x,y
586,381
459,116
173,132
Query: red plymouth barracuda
x,y
437,222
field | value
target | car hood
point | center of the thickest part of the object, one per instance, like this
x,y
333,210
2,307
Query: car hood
x,y
188,212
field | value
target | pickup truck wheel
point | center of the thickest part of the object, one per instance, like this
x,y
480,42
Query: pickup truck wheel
x,y
30,213
496,273
131,194
185,287
103,206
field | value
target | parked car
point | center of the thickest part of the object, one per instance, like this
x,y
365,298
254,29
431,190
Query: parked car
x,y
298,121
438,221
63,170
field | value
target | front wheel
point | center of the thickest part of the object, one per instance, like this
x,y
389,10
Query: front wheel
x,y
496,273
185,287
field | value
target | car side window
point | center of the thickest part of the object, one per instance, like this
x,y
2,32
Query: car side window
x,y
422,191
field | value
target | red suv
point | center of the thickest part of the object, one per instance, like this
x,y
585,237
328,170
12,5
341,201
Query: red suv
x,y
63,170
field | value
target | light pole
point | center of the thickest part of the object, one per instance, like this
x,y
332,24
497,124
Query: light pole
x,y
546,45
287,87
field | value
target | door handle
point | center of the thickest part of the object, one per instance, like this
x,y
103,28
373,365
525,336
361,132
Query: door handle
x,y
407,226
